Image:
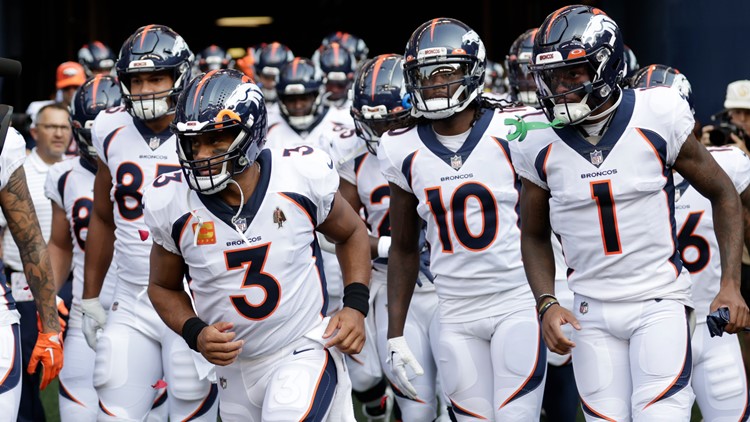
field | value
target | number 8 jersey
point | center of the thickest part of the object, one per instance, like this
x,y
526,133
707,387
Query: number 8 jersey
x,y
612,204
273,288
134,156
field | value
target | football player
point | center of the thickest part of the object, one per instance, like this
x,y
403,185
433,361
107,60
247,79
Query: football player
x,y
604,185
242,219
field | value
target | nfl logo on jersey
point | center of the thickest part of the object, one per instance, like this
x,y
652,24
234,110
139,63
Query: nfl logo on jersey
x,y
154,142
456,162
584,308
596,157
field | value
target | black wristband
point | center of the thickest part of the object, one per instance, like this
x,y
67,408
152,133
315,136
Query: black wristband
x,y
357,296
190,331
546,307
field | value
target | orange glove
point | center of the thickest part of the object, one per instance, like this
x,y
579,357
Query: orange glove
x,y
48,351
61,311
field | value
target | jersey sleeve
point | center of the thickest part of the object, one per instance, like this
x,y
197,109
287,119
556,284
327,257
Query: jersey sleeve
x,y
12,157
682,122
52,185
389,166
318,169
96,141
156,202
736,164
523,153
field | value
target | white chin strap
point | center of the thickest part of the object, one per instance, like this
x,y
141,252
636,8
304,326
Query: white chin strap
x,y
301,122
150,109
209,185
572,112
581,111
440,108
270,95
528,98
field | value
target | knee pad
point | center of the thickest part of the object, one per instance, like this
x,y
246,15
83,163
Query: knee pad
x,y
183,382
721,377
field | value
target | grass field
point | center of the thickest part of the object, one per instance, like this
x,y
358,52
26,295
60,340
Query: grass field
x,y
50,402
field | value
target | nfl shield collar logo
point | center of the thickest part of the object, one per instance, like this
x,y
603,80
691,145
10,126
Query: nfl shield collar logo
x,y
223,383
241,224
456,162
584,308
154,143
597,158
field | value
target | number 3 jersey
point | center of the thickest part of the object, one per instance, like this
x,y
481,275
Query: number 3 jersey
x,y
134,155
695,222
273,288
469,199
612,204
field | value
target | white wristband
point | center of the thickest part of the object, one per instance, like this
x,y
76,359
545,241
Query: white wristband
x,y
384,245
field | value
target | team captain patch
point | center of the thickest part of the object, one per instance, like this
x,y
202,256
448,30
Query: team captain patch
x,y
207,233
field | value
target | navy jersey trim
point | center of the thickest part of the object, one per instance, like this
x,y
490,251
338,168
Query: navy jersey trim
x,y
660,147
683,380
225,212
108,140
407,165
430,140
540,162
306,204
88,165
14,376
358,164
575,140
535,380
61,182
323,395
208,403
178,227
147,133
318,254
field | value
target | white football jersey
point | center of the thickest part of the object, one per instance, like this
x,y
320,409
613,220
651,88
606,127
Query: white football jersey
x,y
695,223
135,156
71,187
320,136
612,204
12,157
469,199
272,289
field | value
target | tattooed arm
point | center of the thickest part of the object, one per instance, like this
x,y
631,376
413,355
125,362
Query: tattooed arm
x,y
23,224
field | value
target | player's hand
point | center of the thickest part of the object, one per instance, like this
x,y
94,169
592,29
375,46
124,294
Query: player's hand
x,y
49,352
554,318
216,344
349,326
94,319
399,357
62,311
739,314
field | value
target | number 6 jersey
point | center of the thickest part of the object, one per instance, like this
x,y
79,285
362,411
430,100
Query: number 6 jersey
x,y
273,288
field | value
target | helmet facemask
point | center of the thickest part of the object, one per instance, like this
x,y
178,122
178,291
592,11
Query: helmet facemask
x,y
212,174
593,93
435,100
